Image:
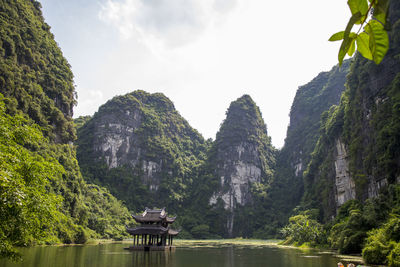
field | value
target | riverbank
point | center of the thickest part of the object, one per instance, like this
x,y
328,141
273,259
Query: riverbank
x,y
189,253
237,242
240,242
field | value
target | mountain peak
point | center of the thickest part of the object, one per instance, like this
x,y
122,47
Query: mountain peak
x,y
243,121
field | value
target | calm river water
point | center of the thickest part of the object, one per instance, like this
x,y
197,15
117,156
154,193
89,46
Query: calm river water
x,y
113,255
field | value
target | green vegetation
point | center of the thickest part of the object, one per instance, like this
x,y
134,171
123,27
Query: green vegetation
x,y
243,126
161,137
373,42
311,100
371,227
367,122
34,75
303,230
43,197
28,212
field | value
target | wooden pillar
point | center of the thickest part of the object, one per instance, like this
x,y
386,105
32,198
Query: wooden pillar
x,y
172,240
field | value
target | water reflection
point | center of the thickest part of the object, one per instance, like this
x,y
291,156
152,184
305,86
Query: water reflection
x,y
153,258
113,255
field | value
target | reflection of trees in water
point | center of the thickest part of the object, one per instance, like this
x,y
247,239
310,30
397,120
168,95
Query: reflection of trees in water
x,y
152,258
230,257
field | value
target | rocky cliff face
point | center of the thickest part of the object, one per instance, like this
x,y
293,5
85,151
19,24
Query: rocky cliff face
x,y
345,187
243,157
357,152
311,100
145,138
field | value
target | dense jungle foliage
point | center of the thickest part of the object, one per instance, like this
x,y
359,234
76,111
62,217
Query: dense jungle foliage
x,y
44,198
367,121
34,75
161,136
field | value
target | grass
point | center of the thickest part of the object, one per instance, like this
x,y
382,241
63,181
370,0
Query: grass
x,y
239,242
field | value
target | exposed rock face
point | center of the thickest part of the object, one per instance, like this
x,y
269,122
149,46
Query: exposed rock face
x,y
117,142
243,155
310,102
345,187
145,138
357,152
241,168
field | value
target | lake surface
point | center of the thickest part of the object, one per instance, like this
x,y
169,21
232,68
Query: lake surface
x,y
185,255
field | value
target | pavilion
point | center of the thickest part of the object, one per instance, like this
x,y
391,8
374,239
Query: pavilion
x,y
154,232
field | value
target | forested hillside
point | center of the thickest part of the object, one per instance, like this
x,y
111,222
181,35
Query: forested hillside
x,y
139,147
232,185
337,175
311,100
352,181
44,197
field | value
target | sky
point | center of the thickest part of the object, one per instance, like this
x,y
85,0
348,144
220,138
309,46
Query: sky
x,y
202,54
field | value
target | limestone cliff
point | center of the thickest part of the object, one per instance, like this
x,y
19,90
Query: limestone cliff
x,y
243,157
358,149
142,149
345,187
311,100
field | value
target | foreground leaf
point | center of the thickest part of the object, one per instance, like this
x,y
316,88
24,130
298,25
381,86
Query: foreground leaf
x,y
358,6
363,45
347,40
378,40
352,48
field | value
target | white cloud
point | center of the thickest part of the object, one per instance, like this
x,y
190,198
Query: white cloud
x,y
202,54
173,22
119,15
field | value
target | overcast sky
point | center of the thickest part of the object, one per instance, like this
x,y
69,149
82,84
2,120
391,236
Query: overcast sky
x,y
202,54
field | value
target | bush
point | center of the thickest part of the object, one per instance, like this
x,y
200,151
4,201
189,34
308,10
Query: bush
x,y
348,235
302,229
394,256
375,252
382,244
81,236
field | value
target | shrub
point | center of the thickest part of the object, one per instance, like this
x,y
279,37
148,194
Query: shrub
x,y
394,256
302,229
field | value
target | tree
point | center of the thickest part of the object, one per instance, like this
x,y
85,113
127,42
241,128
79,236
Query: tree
x,y
28,211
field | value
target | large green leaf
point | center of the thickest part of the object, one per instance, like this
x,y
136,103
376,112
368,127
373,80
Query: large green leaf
x,y
340,35
358,6
337,36
345,46
363,45
352,47
378,40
